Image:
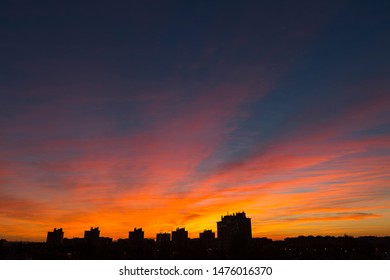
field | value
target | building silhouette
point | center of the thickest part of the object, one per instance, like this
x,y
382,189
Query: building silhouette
x,y
91,237
180,243
55,237
179,236
234,232
136,236
163,245
207,239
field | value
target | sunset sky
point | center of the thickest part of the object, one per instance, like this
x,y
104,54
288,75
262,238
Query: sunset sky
x,y
166,114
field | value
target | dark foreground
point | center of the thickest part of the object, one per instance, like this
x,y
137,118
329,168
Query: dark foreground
x,y
300,248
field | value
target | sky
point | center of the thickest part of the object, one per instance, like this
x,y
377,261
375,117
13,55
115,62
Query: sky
x,y
166,114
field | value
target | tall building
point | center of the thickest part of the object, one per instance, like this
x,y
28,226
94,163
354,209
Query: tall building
x,y
207,239
91,237
55,238
180,242
180,235
136,236
234,231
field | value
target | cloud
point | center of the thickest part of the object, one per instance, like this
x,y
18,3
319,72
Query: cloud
x,y
338,216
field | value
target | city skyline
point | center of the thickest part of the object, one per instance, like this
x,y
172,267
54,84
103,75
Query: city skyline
x,y
138,232
234,240
165,114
